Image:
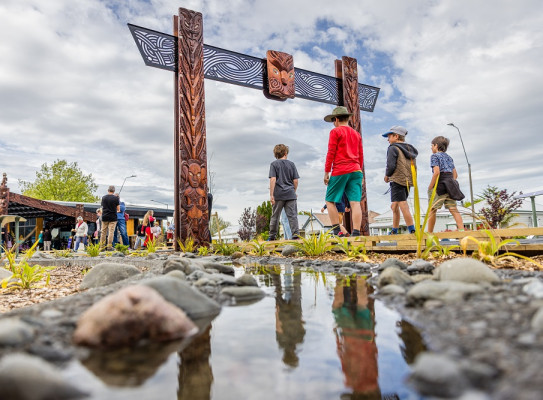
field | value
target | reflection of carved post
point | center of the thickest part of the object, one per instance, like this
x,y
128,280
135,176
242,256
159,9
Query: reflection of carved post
x,y
191,206
4,195
347,71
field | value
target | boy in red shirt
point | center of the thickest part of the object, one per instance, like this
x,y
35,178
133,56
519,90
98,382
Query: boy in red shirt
x,y
344,160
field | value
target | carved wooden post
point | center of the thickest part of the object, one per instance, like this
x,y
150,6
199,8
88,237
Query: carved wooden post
x,y
347,71
4,195
191,206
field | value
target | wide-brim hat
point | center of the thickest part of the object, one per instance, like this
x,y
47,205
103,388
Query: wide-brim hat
x,y
338,112
397,129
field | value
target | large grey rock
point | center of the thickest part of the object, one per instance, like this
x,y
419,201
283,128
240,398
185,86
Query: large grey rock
x,y
246,280
107,273
130,315
466,270
392,262
242,293
437,375
534,288
393,276
176,264
223,269
392,290
24,377
177,274
450,291
289,250
4,273
537,321
420,266
180,293
14,332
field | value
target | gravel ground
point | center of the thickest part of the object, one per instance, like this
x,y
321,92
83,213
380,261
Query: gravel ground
x,y
485,343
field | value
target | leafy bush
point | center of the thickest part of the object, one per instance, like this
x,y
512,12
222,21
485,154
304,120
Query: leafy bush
x,y
353,251
487,251
315,245
151,245
188,246
62,253
203,251
25,276
226,249
93,250
122,248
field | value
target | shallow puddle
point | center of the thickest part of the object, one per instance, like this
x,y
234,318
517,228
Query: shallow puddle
x,y
315,336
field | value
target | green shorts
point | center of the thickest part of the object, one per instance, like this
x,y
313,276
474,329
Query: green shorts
x,y
443,200
351,184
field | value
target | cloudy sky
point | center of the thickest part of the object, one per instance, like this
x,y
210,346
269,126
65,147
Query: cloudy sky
x,y
73,86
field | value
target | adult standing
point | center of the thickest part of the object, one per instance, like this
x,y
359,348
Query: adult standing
x,y
110,208
344,161
121,224
148,222
47,238
40,240
98,231
81,230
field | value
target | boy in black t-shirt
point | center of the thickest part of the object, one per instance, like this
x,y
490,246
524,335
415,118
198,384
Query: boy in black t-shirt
x,y
283,184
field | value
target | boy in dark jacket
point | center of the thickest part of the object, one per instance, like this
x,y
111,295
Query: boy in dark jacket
x,y
398,173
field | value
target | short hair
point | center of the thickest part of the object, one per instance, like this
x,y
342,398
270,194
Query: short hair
x,y
441,142
401,138
342,118
111,189
280,150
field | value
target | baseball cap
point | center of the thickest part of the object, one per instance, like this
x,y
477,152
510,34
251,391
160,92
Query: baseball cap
x,y
397,129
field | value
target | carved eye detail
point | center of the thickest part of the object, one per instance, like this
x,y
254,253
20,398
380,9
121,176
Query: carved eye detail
x,y
276,71
291,75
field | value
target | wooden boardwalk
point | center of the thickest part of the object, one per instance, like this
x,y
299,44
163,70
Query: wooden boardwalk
x,y
408,242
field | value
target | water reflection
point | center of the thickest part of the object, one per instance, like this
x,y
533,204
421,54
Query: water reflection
x,y
315,336
354,315
289,326
195,373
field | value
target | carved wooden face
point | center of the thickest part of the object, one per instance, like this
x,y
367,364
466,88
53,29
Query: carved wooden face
x,y
195,175
280,74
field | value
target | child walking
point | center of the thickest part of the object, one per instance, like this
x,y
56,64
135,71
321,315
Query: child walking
x,y
447,188
283,184
398,173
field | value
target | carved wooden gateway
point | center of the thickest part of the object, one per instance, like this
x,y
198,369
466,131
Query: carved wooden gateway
x,y
185,53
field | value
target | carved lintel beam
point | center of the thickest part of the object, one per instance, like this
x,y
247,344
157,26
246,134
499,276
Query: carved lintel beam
x,y
191,151
280,74
347,71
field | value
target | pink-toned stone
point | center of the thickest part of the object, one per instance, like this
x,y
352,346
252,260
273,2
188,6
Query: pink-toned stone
x,y
129,315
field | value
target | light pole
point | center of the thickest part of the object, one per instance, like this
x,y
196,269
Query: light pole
x,y
161,203
128,177
469,172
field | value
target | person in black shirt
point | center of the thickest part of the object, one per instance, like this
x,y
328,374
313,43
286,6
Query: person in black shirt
x,y
110,208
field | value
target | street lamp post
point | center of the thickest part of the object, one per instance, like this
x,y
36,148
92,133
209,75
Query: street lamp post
x,y
128,177
166,204
469,172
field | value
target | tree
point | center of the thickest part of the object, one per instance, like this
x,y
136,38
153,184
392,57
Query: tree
x,y
221,222
62,182
500,206
263,217
247,224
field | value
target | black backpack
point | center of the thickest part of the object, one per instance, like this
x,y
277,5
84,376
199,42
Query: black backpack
x,y
140,230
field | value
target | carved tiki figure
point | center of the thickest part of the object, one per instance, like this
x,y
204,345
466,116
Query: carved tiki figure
x,y
194,199
280,74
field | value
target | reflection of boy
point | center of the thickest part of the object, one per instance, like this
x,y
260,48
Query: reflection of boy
x,y
344,161
398,173
355,336
283,184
